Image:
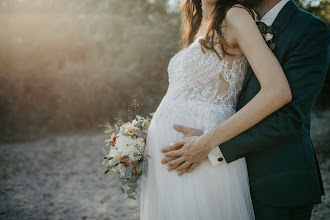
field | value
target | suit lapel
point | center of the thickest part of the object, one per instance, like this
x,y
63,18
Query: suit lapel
x,y
281,21
284,17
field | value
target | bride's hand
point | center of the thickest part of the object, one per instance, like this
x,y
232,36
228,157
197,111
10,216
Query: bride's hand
x,y
188,131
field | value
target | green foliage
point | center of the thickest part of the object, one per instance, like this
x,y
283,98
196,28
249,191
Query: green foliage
x,y
133,185
131,197
322,10
129,170
121,189
140,167
129,191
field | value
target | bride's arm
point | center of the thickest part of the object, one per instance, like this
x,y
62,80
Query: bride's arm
x,y
275,90
306,65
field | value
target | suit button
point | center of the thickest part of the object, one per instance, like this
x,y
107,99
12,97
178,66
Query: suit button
x,y
220,159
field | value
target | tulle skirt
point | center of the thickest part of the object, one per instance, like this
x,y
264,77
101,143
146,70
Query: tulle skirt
x,y
210,192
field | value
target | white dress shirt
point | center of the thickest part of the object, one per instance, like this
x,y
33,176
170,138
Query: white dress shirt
x,y
215,156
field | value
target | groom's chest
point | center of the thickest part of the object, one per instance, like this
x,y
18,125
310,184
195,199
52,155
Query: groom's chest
x,y
283,43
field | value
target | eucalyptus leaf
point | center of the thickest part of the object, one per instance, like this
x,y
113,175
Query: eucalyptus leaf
x,y
134,178
272,46
131,197
138,133
130,181
133,186
140,167
122,189
129,170
139,124
137,157
129,191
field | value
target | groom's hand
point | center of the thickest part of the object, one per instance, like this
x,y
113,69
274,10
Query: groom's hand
x,y
185,155
188,132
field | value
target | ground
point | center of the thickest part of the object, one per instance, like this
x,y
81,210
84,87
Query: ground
x,y
60,177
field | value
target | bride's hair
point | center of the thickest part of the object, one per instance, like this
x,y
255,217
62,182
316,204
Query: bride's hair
x,y
192,18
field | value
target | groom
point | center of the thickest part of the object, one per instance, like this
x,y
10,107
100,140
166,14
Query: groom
x,y
284,175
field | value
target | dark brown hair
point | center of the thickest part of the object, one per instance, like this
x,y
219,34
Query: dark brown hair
x,y
192,19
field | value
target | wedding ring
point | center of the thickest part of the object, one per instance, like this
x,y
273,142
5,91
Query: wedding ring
x,y
171,144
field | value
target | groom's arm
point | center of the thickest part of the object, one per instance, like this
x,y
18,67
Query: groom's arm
x,y
305,68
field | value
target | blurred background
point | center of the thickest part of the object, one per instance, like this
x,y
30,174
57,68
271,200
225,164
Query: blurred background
x,y
68,66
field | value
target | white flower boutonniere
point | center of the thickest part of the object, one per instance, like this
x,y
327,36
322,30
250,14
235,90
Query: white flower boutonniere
x,y
268,37
268,32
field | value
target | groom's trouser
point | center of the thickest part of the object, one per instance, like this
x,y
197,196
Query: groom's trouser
x,y
267,212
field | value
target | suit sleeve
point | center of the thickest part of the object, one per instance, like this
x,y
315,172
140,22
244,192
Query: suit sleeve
x,y
305,67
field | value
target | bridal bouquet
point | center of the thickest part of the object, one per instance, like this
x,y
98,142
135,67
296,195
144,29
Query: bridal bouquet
x,y
126,147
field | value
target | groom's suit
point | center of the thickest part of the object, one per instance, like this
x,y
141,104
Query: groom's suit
x,y
283,169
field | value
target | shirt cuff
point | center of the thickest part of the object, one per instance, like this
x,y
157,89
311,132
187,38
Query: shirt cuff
x,y
215,156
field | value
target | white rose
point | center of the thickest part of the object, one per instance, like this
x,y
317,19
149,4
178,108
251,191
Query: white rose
x,y
115,154
125,144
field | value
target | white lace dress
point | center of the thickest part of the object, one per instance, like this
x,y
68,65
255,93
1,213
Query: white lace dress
x,y
202,93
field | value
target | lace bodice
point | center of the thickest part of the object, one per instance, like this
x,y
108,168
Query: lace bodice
x,y
201,82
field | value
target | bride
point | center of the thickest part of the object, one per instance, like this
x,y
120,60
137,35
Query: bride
x,y
219,38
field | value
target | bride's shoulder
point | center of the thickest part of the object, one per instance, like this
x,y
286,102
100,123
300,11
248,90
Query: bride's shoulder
x,y
239,15
237,8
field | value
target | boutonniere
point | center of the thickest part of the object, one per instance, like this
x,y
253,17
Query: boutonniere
x,y
268,32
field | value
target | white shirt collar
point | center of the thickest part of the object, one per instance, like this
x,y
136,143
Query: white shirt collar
x,y
271,15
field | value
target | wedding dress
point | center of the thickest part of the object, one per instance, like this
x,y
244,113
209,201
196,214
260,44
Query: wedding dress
x,y
202,93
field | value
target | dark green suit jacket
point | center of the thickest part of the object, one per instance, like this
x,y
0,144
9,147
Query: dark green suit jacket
x,y
282,166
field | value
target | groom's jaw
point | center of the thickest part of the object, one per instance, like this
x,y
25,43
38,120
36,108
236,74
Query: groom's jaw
x,y
265,6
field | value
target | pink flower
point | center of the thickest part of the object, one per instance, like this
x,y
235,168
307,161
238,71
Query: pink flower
x,y
268,37
127,161
136,169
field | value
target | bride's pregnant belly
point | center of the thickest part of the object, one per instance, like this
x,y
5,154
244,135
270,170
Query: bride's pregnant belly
x,y
194,114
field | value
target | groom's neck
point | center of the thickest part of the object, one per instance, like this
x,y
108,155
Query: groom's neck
x,y
265,7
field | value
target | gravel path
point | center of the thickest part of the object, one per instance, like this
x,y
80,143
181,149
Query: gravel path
x,y
60,177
